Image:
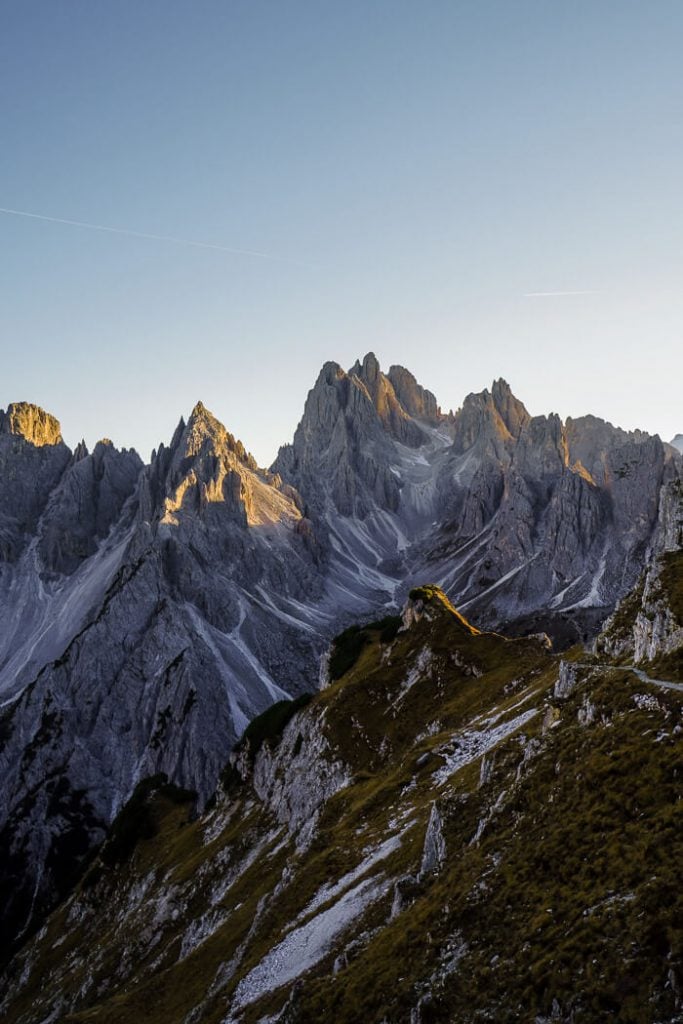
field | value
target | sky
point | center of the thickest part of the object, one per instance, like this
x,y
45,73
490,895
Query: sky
x,y
473,190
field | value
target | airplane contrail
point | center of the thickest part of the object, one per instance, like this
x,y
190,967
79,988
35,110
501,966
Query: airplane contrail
x,y
550,295
145,234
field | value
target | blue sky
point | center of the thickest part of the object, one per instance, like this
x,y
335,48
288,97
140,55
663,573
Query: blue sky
x,y
413,172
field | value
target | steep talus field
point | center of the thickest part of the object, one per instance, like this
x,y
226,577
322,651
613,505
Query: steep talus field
x,y
150,612
458,827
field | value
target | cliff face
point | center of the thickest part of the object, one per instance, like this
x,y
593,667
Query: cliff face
x,y
31,423
647,625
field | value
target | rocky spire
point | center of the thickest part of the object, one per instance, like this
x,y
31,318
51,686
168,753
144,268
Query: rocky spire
x,y
395,419
494,416
344,444
415,399
512,412
32,423
204,432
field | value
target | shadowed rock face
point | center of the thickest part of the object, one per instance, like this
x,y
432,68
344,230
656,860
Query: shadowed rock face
x,y
85,505
32,461
344,442
149,612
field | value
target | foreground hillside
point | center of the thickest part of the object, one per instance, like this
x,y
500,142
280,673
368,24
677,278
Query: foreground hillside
x,y
458,827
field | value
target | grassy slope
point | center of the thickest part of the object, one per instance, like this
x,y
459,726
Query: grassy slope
x,y
571,894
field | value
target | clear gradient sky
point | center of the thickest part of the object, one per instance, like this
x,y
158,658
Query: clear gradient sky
x,y
417,171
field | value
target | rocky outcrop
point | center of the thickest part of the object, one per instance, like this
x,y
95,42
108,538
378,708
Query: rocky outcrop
x,y
434,850
31,423
658,628
414,399
32,461
656,632
86,505
298,776
567,680
648,623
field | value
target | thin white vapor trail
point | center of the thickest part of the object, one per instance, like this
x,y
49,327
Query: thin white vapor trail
x,y
551,295
145,234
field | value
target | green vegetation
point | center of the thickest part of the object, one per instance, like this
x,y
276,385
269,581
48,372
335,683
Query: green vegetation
x,y
138,818
269,726
560,894
347,647
671,581
621,624
346,650
388,628
573,893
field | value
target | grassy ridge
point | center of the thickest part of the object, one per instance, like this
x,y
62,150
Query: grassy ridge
x,y
560,893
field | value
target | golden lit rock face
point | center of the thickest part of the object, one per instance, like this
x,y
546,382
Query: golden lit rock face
x,y
581,470
32,423
211,467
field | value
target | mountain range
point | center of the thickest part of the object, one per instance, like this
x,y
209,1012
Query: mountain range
x,y
151,612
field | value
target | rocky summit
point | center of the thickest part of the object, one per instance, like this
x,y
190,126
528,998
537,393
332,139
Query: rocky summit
x,y
184,810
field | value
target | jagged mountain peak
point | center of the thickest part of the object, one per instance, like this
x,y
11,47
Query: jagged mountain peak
x,y
199,410
80,451
370,397
329,373
513,412
347,434
493,416
202,419
29,421
205,434
369,370
86,504
416,400
677,442
207,467
396,396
